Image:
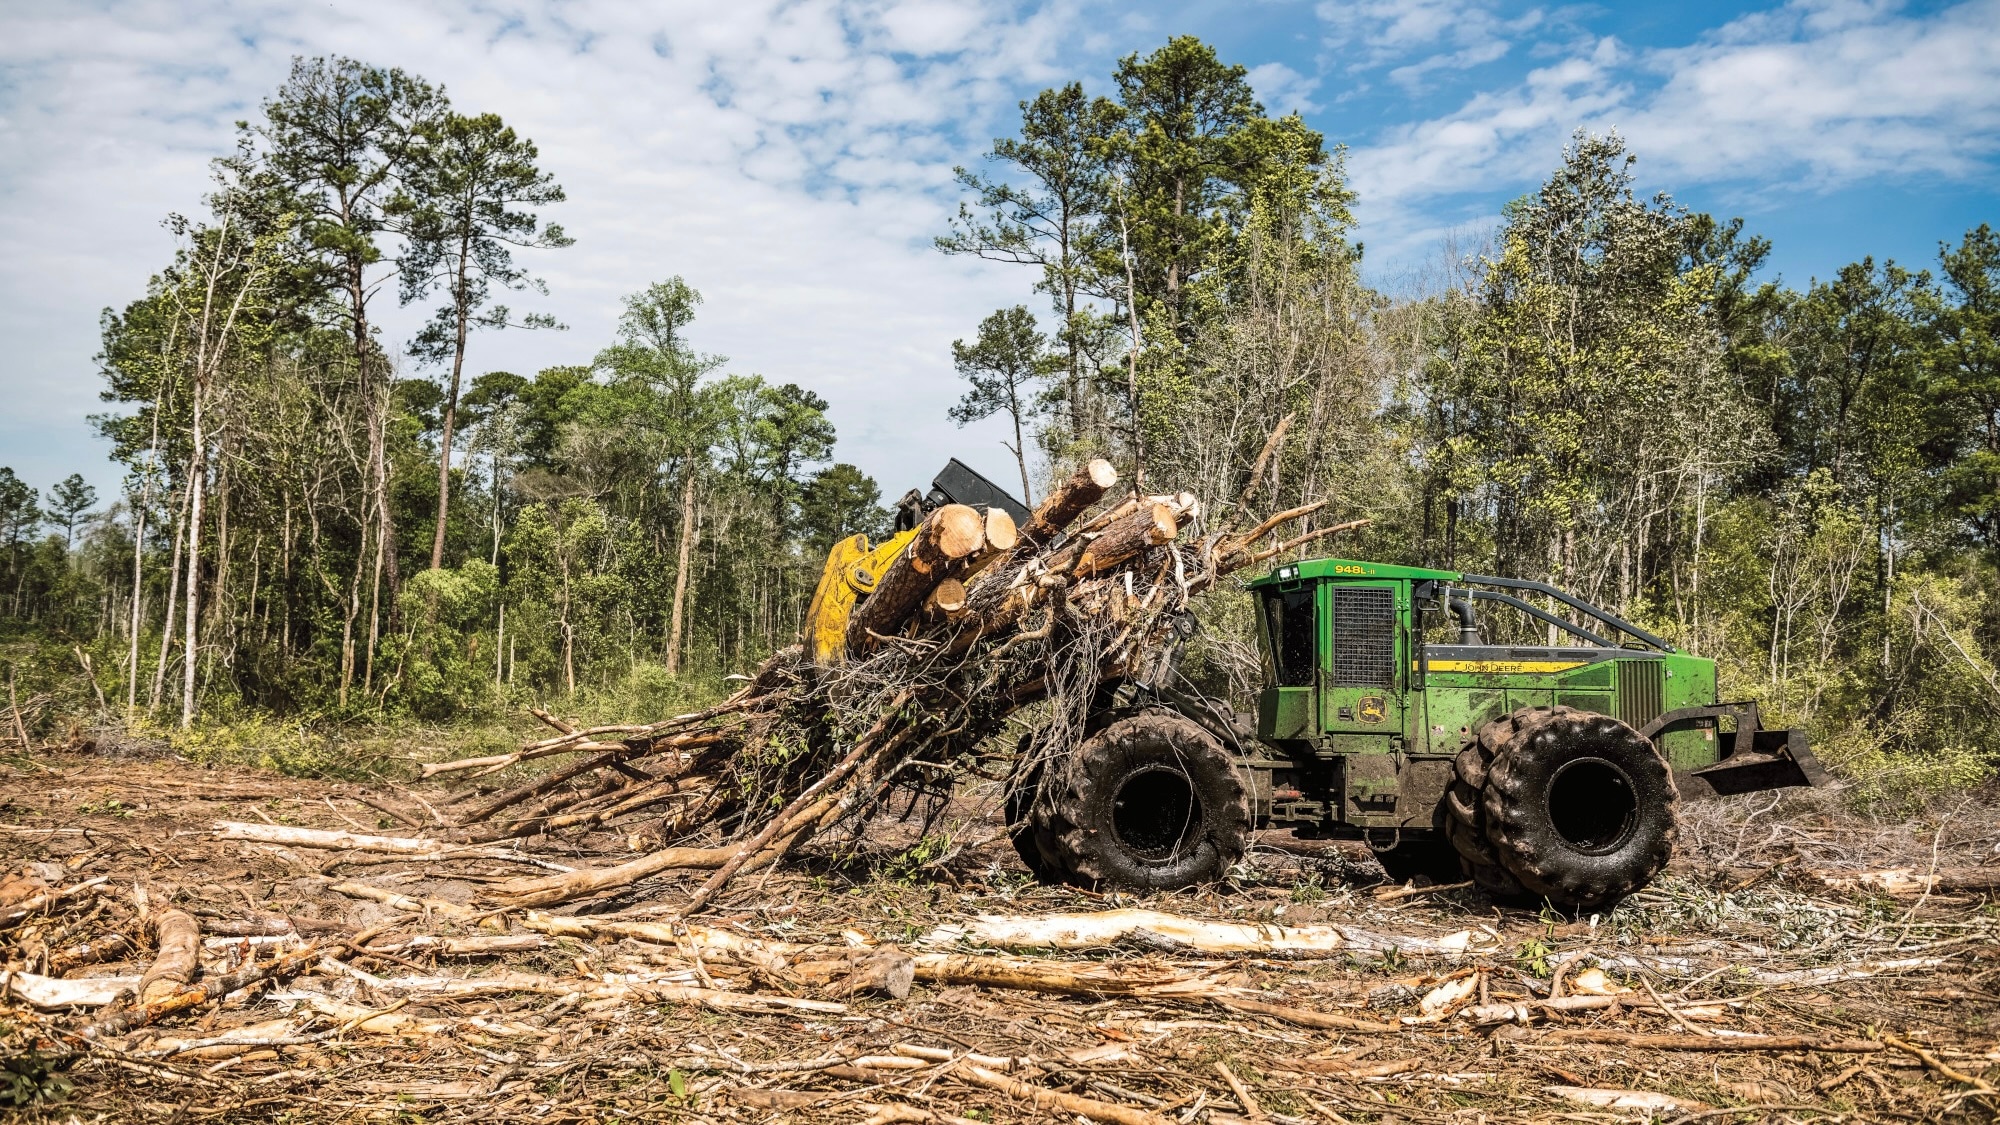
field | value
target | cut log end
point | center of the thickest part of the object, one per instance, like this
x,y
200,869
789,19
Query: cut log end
x,y
958,530
1070,499
1001,534
947,599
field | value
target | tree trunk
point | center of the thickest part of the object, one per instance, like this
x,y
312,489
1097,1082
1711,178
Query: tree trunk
x,y
953,532
173,593
138,576
678,613
197,474
1071,499
451,406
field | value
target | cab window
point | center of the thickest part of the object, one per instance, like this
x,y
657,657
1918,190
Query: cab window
x,y
1290,623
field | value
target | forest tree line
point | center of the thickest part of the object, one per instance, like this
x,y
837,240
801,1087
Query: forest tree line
x,y
1607,392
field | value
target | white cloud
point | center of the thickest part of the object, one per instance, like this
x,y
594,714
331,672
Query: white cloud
x,y
1815,94
791,160
1371,33
1282,89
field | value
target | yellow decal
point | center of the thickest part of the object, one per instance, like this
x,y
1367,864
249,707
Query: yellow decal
x,y
1496,666
1351,569
1371,709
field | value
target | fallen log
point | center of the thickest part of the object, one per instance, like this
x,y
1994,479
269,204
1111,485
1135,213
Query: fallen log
x,y
548,890
1045,1099
1110,927
179,940
218,987
326,840
1912,881
49,993
106,947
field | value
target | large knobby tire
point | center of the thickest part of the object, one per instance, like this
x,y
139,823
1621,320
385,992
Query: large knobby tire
x,y
1462,814
1150,802
1578,806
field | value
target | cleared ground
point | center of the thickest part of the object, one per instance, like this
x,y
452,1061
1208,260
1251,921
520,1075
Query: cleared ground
x,y
1776,973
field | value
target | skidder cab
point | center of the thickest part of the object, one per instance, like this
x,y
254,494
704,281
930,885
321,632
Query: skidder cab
x,y
1546,770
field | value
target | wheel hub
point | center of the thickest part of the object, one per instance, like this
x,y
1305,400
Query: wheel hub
x,y
1593,805
1155,812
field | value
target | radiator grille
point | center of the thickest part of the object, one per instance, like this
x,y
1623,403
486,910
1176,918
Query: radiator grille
x,y
1641,690
1364,636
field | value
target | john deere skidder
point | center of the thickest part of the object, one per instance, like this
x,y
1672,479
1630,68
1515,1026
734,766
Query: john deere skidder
x,y
1545,772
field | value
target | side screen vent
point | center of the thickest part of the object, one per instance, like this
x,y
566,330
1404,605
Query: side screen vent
x,y
1641,690
1364,636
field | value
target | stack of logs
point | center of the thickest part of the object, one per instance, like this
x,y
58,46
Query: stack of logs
x,y
974,619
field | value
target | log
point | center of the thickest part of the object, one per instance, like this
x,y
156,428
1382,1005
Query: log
x,y
1152,525
215,988
49,993
953,532
945,602
1109,927
327,840
1911,880
106,947
174,965
883,970
1046,1099
1070,499
550,889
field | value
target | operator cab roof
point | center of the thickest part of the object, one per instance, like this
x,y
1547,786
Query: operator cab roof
x,y
1349,568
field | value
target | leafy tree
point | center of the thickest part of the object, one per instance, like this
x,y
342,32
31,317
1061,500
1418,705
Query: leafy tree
x,y
20,514
334,137
1002,365
1966,360
1193,139
68,501
465,205
1055,221
840,500
652,356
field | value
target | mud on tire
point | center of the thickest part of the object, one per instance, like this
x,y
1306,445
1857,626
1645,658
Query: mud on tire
x,y
1579,807
1150,802
1462,814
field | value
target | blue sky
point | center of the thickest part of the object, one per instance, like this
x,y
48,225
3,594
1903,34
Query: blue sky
x,y
793,160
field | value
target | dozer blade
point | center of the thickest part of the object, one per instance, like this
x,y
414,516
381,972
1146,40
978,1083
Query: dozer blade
x,y
1775,759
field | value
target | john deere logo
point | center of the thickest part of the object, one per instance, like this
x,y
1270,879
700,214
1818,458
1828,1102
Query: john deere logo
x,y
1372,709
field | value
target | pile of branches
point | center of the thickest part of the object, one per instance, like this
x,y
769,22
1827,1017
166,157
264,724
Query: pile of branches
x,y
974,620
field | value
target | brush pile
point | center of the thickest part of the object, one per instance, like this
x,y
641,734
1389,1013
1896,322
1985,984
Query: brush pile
x,y
973,620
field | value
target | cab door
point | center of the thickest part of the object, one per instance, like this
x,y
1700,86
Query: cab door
x,y
1364,692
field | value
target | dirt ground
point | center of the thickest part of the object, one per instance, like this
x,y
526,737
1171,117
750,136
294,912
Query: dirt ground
x,y
1763,978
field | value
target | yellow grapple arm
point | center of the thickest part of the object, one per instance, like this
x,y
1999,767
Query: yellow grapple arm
x,y
852,568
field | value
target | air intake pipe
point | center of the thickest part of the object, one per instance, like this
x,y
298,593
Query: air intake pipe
x,y
1468,625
